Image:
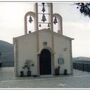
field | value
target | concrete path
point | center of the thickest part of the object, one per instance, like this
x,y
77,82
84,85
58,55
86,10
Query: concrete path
x,y
78,80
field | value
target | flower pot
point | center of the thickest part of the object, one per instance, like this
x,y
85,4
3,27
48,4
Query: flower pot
x,y
21,74
28,73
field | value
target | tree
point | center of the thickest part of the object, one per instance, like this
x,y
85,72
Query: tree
x,y
84,8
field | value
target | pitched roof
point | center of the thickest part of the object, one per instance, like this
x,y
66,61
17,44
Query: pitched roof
x,y
47,30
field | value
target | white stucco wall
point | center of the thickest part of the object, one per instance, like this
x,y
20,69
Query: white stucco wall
x,y
60,44
26,48
44,36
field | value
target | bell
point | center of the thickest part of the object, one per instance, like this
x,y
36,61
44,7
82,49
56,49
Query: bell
x,y
55,20
43,4
39,25
43,18
48,25
30,19
43,9
29,31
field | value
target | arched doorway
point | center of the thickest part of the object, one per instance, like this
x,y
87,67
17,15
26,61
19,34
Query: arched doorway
x,y
45,62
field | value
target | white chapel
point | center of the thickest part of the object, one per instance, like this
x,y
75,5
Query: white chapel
x,y
44,51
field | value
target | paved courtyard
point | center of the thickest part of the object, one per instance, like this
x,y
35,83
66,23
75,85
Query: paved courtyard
x,y
78,80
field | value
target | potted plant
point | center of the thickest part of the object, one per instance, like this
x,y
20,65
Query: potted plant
x,y
57,70
21,73
27,65
65,71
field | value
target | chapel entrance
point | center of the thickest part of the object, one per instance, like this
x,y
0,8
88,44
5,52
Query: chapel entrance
x,y
45,62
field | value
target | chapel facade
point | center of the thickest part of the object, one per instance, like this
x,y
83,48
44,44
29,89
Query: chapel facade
x,y
44,51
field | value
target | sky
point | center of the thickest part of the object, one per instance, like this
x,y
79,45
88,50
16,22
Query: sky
x,y
75,25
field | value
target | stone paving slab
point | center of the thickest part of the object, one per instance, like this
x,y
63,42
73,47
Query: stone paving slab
x,y
79,79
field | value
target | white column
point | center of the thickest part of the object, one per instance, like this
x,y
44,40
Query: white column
x,y
52,36
37,36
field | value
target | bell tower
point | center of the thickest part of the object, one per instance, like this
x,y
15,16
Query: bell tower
x,y
43,17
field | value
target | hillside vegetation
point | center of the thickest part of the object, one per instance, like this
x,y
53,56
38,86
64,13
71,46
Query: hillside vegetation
x,y
7,54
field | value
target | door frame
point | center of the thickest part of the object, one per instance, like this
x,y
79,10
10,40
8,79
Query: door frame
x,y
52,60
44,62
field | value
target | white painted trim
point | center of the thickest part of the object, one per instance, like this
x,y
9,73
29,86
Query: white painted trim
x,y
71,62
